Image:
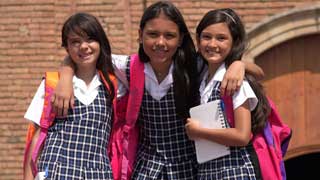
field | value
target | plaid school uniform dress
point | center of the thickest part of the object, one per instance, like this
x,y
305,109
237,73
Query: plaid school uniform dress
x,y
165,152
236,166
76,146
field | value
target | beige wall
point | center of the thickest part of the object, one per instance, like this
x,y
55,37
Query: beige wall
x,y
30,45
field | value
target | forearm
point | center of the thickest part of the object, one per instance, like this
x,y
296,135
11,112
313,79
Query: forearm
x,y
228,136
254,70
67,69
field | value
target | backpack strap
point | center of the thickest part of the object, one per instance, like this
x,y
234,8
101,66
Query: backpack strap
x,y
113,80
270,145
227,106
130,132
47,116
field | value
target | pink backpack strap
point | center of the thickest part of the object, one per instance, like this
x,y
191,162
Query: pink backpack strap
x,y
228,107
47,117
130,130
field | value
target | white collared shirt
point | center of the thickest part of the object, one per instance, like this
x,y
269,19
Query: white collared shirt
x,y
156,90
119,64
245,92
85,94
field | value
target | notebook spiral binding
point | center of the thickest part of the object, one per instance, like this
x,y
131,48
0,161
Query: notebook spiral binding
x,y
223,115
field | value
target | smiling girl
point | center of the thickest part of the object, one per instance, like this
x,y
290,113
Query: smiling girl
x,y
76,145
221,41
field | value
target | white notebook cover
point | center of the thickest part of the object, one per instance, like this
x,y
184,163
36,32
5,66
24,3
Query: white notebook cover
x,y
208,116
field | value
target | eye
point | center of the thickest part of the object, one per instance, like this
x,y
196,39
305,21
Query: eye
x,y
221,38
170,35
205,36
75,42
152,34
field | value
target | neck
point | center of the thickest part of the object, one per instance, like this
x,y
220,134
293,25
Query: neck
x,y
86,74
161,70
212,69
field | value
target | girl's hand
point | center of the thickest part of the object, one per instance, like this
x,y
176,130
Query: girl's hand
x,y
192,128
63,98
233,78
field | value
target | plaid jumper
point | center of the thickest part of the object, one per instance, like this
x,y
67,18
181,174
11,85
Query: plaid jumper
x,y
76,146
236,166
165,152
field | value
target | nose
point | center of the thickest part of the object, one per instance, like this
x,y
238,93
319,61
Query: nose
x,y
161,41
84,45
213,43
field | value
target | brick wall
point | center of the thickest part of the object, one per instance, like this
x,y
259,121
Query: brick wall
x,y
30,45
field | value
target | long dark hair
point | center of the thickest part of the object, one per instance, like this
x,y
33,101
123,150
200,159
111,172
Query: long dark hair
x,y
259,116
185,68
235,26
86,25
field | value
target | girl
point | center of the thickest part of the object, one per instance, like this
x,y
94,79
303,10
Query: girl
x,y
221,40
76,146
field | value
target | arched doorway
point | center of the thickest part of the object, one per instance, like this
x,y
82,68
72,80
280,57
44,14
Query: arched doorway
x,y
293,82
287,47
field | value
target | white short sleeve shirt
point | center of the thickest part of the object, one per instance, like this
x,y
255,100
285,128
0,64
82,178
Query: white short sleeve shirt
x,y
245,92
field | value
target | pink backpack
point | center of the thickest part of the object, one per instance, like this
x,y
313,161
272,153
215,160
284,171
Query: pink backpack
x,y
125,134
270,145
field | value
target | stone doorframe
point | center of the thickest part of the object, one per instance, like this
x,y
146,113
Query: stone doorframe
x,y
281,28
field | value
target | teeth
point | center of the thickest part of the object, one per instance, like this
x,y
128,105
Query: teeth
x,y
84,55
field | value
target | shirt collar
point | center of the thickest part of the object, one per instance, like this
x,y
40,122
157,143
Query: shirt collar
x,y
94,84
218,76
150,73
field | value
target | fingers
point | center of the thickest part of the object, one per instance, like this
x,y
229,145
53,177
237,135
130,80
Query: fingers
x,y
65,108
60,105
223,86
72,101
231,88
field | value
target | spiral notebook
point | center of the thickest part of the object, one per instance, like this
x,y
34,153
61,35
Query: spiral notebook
x,y
208,115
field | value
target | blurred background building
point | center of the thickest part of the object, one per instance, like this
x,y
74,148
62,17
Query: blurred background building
x,y
284,40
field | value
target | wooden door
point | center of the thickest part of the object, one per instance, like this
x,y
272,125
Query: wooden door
x,y
293,81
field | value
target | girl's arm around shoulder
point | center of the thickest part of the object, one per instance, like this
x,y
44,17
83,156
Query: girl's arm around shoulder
x,y
63,96
237,136
234,76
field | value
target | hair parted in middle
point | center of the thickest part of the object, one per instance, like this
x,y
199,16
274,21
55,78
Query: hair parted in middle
x,y
185,66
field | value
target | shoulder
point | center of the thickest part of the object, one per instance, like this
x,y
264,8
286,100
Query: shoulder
x,y
120,61
245,93
33,114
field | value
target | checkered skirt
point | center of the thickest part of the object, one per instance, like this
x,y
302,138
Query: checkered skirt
x,y
165,152
76,146
236,166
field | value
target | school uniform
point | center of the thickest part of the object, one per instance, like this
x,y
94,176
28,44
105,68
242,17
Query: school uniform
x,y
165,152
76,146
237,165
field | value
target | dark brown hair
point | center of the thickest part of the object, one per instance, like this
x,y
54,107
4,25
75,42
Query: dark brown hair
x,y
87,26
259,116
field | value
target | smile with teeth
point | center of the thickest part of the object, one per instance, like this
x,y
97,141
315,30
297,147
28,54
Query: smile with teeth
x,y
85,56
212,51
